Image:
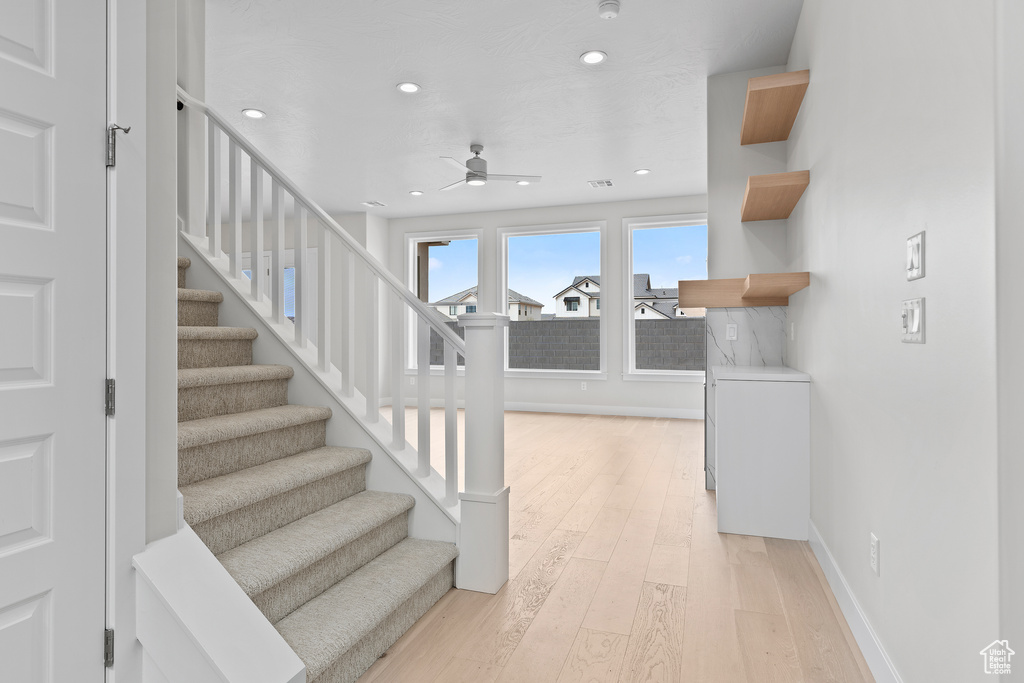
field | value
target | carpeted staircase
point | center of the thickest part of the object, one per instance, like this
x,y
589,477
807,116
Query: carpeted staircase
x,y
329,563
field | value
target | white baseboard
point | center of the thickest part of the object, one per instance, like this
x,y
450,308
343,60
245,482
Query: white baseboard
x,y
870,646
626,411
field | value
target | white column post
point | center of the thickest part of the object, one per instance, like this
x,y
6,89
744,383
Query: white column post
x,y
483,540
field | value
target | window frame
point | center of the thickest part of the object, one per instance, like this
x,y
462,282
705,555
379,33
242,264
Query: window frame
x,y
409,269
629,225
503,235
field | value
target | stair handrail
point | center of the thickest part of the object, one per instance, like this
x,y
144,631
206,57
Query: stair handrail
x,y
422,310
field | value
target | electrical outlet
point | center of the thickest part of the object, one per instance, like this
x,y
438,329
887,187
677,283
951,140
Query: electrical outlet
x,y
874,555
915,257
731,332
913,321
583,386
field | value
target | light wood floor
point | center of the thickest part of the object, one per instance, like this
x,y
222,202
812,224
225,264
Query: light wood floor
x,y
617,573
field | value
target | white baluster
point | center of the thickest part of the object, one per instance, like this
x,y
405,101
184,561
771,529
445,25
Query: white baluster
x,y
423,395
323,300
213,207
348,318
372,347
451,427
300,274
235,208
256,238
397,373
277,256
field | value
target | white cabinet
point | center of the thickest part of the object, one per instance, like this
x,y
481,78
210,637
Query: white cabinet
x,y
759,427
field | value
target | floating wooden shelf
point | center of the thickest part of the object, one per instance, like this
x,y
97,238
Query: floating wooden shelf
x,y
760,289
773,197
772,105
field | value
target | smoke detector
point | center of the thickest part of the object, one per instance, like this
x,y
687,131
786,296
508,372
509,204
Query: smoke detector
x,y
608,9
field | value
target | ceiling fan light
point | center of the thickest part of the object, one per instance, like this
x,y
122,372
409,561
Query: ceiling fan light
x,y
476,181
522,182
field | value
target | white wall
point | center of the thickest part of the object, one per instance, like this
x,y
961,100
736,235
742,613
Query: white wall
x,y
737,249
897,130
1010,318
610,394
161,272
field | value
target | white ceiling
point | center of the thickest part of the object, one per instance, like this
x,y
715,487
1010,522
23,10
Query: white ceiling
x,y
504,73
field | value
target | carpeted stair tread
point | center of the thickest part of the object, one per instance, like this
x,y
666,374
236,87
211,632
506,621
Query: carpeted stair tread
x,y
215,333
233,374
267,560
184,262
329,625
224,427
204,295
217,496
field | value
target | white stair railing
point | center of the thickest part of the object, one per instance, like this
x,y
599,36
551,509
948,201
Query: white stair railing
x,y
340,289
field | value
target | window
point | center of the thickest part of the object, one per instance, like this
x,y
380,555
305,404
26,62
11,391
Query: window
x,y
470,308
597,303
658,252
441,268
553,263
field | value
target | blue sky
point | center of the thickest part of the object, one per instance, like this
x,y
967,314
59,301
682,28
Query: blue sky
x,y
542,265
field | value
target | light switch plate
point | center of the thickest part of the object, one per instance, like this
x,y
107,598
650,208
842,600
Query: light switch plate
x,y
915,257
731,333
913,321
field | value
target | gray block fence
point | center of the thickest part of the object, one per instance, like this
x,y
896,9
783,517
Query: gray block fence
x,y
574,344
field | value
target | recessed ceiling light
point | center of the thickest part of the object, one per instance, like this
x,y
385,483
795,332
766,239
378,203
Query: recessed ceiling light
x,y
522,182
642,171
408,87
593,57
254,113
416,193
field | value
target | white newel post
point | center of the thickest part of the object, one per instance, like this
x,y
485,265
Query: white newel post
x,y
483,544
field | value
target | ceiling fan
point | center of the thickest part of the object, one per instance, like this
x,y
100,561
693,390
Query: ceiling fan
x,y
476,171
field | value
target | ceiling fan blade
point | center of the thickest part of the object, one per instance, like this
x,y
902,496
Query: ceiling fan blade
x,y
527,178
454,185
455,162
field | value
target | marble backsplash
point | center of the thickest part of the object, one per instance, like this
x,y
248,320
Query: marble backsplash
x,y
761,336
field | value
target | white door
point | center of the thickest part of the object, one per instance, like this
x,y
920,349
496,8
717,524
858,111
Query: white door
x,y
52,339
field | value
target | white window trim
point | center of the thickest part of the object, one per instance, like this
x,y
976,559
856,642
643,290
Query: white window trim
x,y
411,240
600,227
630,373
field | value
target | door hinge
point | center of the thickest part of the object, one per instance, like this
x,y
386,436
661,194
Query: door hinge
x,y
108,648
112,142
108,398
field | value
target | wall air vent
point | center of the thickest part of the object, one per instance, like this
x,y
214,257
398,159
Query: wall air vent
x,y
374,204
600,183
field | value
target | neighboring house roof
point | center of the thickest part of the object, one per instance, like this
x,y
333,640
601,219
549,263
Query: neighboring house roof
x,y
641,287
514,297
572,288
596,279
665,308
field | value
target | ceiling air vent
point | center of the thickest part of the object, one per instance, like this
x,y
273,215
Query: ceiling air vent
x,y
600,183
375,204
